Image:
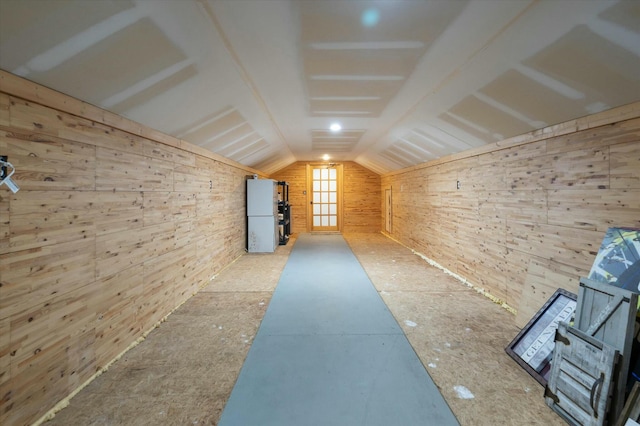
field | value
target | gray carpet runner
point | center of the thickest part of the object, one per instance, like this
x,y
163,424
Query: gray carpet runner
x,y
329,352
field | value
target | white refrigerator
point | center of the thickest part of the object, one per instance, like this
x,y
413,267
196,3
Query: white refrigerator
x,y
262,213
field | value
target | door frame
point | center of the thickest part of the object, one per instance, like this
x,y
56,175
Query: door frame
x,y
339,183
388,210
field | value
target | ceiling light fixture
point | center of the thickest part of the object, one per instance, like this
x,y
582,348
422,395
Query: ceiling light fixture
x,y
370,17
326,157
335,127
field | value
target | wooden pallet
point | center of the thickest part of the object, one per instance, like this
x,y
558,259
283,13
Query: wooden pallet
x,y
582,377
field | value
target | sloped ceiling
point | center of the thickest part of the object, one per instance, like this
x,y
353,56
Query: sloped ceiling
x,y
261,81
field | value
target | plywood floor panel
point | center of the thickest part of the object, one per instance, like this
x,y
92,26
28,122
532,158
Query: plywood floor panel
x,y
182,373
463,346
460,336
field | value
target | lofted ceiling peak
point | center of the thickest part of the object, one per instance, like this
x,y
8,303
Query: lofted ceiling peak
x,y
260,81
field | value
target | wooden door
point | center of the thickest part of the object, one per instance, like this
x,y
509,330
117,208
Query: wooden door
x,y
387,210
608,314
325,188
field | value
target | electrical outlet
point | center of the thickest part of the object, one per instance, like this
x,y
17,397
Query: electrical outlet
x,y
458,185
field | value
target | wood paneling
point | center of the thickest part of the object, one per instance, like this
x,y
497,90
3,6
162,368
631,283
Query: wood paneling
x,y
543,278
546,203
42,218
164,279
50,164
120,250
117,312
296,175
587,168
38,274
5,101
115,225
168,153
569,246
595,210
519,206
158,208
191,179
122,171
117,211
361,197
4,222
625,172
5,345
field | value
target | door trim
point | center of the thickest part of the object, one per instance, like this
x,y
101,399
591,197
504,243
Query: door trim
x,y
339,171
388,210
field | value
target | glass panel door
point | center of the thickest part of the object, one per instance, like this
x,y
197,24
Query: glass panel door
x,y
325,199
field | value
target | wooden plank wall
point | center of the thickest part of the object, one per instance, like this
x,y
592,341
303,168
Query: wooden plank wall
x,y
545,203
296,175
361,197
109,233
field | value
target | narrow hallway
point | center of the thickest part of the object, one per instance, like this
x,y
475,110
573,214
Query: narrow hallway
x,y
329,352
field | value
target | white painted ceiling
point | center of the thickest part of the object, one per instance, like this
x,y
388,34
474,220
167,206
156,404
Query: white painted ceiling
x,y
260,81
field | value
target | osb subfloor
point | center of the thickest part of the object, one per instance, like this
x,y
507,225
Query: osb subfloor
x,y
458,334
184,371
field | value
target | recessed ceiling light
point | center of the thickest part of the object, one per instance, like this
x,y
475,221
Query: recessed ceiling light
x,y
326,157
335,127
370,17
